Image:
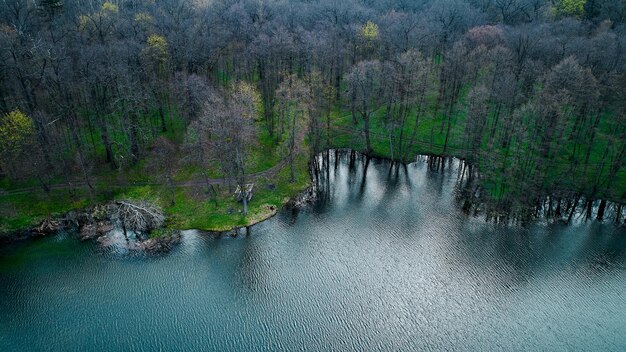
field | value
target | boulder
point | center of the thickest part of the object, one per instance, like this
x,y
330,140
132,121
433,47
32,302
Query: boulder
x,y
46,227
159,244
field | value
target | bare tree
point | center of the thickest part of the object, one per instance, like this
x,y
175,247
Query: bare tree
x,y
230,123
138,216
163,163
198,143
294,105
364,83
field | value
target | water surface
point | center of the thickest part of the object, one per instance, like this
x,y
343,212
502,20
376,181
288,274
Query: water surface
x,y
385,261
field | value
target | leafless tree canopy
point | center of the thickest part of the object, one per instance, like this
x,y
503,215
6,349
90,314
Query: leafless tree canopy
x,y
138,216
530,91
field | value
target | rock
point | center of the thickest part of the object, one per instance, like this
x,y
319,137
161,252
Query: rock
x,y
48,226
159,244
105,241
305,198
227,233
77,218
103,227
94,230
88,232
101,212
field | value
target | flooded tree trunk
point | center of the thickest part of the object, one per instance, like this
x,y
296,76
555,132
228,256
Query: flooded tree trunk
x,y
573,210
589,211
601,210
366,128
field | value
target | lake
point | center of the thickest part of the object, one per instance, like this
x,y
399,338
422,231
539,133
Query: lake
x,y
385,260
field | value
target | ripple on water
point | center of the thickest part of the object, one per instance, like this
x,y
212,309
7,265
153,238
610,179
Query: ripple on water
x,y
383,262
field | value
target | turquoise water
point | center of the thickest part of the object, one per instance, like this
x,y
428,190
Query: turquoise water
x,y
385,262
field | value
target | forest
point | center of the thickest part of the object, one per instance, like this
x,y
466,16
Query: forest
x,y
215,109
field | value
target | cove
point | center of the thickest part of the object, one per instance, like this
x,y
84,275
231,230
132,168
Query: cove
x,y
384,260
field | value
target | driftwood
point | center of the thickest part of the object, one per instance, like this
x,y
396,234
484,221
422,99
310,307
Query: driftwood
x,y
139,216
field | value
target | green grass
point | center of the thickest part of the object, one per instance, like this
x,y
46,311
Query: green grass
x,y
430,139
193,208
26,210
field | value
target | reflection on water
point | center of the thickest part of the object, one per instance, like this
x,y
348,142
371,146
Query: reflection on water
x,y
383,261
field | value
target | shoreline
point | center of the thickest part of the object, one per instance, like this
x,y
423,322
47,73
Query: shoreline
x,y
194,209
548,209
72,221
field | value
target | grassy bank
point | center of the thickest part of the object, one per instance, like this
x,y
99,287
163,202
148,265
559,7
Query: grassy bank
x,y
193,207
493,160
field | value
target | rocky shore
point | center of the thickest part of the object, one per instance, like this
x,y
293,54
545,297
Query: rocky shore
x,y
96,223
304,198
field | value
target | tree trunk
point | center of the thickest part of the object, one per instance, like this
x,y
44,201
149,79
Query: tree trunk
x,y
601,210
292,143
162,116
170,183
366,130
573,210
